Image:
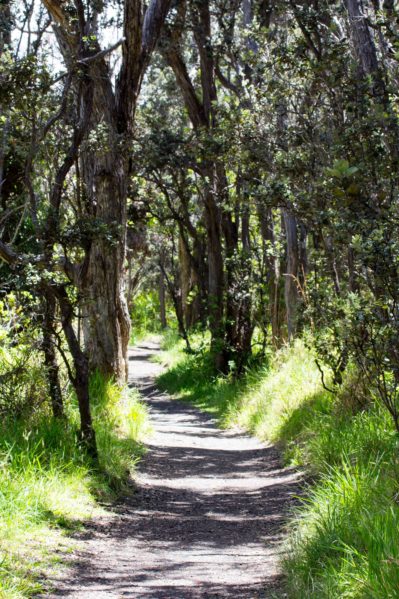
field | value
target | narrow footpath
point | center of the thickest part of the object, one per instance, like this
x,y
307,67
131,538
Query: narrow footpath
x,y
206,520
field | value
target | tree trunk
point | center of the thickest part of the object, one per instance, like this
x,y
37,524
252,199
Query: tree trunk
x,y
291,274
364,45
106,321
175,295
130,282
5,40
80,379
246,324
353,279
5,24
50,356
200,279
232,301
105,162
373,73
273,272
162,302
185,279
238,276
201,114
215,279
332,262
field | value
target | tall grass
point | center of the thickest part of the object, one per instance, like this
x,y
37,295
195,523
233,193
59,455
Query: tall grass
x,y
120,422
344,538
47,484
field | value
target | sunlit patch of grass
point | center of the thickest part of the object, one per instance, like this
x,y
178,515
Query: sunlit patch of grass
x,y
277,399
172,348
121,422
345,536
43,484
47,484
191,377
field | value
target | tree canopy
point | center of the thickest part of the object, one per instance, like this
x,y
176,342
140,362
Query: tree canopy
x,y
240,158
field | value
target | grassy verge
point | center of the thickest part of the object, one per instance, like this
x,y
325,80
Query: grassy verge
x,y
344,539
47,486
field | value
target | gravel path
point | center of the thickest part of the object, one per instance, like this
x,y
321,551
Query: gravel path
x,y
206,519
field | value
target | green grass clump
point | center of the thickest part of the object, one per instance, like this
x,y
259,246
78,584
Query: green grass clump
x,y
344,537
44,483
47,484
192,377
121,422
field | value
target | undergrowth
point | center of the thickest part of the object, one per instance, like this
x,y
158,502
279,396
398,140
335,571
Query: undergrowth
x,y
344,537
145,315
48,486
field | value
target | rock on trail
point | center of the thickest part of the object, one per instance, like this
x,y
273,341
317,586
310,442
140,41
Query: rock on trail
x,y
206,520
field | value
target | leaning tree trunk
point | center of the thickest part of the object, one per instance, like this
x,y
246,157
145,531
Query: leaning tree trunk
x,y
80,378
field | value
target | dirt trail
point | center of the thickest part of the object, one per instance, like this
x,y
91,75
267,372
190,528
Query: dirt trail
x,y
206,520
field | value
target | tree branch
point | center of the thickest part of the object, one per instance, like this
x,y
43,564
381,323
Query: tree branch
x,y
101,53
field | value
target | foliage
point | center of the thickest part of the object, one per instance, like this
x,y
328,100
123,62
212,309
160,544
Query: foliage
x,y
145,314
23,383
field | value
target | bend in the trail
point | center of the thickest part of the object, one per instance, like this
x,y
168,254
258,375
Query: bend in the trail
x,y
205,521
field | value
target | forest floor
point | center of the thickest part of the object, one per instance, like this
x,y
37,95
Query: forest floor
x,y
206,518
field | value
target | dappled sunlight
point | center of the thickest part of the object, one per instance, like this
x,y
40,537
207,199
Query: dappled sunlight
x,y
207,515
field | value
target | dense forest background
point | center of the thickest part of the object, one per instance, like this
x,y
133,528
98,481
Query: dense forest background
x,y
225,167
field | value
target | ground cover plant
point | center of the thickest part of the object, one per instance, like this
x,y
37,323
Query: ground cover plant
x,y
48,486
343,539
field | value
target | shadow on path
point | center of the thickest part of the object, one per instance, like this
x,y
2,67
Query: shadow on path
x,y
206,519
